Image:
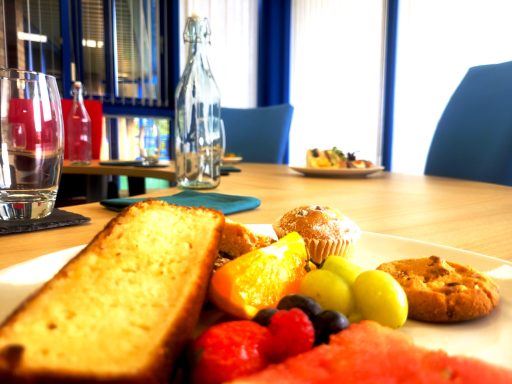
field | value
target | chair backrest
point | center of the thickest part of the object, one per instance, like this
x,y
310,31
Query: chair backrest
x,y
473,139
259,135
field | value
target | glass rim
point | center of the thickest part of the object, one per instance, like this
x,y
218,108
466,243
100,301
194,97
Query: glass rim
x,y
22,74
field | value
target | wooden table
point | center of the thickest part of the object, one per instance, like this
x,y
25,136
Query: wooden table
x,y
463,214
95,168
97,173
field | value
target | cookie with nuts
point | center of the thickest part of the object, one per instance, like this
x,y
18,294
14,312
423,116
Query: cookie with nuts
x,y
443,292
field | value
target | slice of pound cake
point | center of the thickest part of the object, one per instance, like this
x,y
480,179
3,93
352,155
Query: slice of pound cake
x,y
123,308
368,353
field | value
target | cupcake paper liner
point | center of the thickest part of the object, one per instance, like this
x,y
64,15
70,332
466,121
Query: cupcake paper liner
x,y
319,250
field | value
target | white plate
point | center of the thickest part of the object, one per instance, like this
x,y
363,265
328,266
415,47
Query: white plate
x,y
488,338
231,160
337,172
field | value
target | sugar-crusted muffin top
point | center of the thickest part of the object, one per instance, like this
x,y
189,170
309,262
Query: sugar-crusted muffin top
x,y
317,221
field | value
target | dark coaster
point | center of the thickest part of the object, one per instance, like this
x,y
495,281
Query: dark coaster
x,y
57,218
227,169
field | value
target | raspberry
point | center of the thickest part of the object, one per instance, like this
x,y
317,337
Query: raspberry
x,y
229,350
292,332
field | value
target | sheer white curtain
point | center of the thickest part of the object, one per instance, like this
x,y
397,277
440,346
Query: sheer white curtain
x,y
438,40
233,50
336,76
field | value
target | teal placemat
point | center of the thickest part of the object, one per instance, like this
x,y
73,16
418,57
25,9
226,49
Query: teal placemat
x,y
225,203
229,168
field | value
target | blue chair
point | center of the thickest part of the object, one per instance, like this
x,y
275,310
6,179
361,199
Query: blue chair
x,y
473,139
259,135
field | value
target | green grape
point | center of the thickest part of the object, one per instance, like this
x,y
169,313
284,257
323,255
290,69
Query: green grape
x,y
344,268
381,298
329,290
355,317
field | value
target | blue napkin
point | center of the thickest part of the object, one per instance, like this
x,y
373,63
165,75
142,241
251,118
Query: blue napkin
x,y
227,204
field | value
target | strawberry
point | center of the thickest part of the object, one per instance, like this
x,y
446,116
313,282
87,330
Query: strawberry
x,y
292,332
229,350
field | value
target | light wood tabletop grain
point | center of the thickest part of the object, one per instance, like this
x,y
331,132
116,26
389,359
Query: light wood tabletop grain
x,y
463,214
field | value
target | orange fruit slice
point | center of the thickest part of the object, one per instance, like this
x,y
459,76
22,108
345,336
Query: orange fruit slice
x,y
259,279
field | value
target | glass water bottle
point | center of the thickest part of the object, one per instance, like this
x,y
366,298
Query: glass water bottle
x,y
79,129
198,141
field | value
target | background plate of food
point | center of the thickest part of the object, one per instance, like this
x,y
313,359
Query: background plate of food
x,y
231,158
337,172
335,163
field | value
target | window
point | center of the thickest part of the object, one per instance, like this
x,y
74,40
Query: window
x,y
117,48
32,36
128,136
128,129
336,76
92,48
120,50
234,42
133,42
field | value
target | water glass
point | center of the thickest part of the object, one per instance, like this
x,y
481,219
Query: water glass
x,y
222,140
149,142
31,144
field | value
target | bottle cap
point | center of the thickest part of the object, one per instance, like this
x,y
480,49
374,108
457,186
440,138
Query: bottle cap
x,y
197,30
77,87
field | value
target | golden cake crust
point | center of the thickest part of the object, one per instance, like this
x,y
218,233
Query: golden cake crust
x,y
123,308
442,291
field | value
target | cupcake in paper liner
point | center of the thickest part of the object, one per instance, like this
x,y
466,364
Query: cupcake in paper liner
x,y
325,230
